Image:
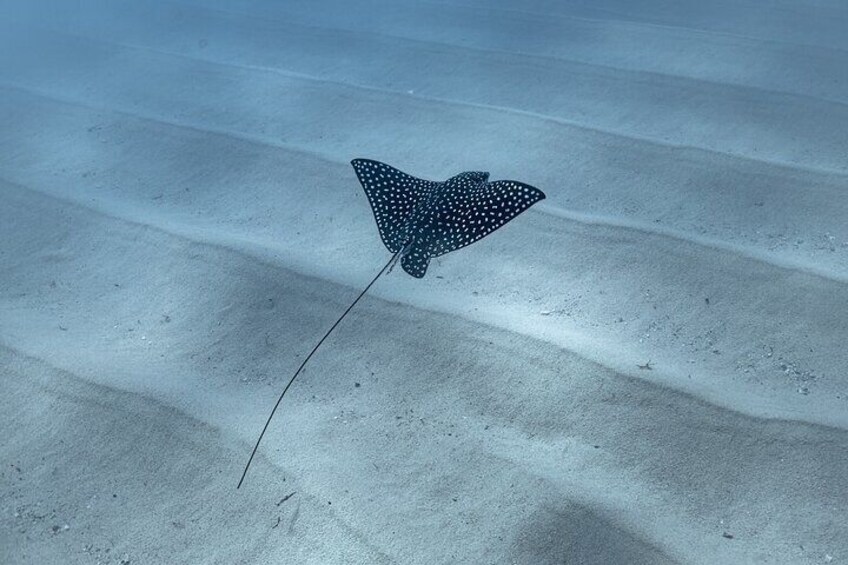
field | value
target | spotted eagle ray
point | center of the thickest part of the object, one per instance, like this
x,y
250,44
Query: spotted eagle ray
x,y
420,219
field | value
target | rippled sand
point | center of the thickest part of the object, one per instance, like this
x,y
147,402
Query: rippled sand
x,y
648,367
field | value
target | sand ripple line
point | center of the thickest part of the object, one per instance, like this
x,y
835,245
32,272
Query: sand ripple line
x,y
748,252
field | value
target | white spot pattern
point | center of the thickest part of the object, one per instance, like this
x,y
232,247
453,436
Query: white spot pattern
x,y
428,219
393,196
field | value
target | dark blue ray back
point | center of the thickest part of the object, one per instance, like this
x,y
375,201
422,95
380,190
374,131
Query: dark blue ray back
x,y
465,214
427,219
393,196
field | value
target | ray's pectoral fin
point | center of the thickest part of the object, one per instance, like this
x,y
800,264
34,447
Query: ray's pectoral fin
x,y
471,215
393,196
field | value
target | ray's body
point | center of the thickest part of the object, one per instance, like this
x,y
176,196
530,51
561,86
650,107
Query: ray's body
x,y
425,219
420,219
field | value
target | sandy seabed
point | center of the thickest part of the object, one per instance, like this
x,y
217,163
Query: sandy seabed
x,y
648,367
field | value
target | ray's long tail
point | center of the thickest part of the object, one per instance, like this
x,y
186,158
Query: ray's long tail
x,y
388,266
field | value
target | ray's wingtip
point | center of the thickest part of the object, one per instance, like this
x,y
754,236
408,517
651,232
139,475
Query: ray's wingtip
x,y
540,195
360,162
